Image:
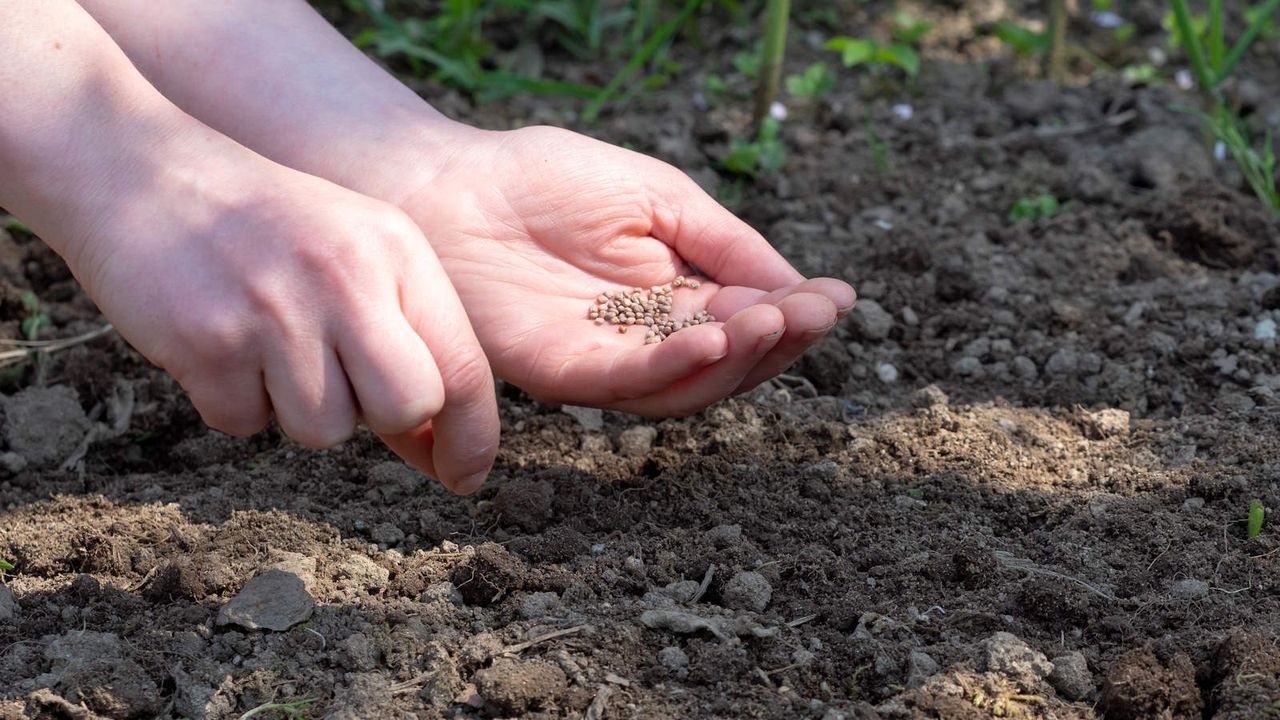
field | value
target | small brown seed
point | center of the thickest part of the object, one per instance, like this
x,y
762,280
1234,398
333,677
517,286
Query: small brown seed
x,y
599,321
622,329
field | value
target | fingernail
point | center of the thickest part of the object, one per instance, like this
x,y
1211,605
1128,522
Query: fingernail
x,y
819,332
470,484
774,335
712,360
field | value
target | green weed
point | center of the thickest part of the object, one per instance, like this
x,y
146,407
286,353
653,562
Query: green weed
x,y
1257,166
13,224
35,319
765,152
451,46
816,81
827,16
907,29
1256,514
1145,73
715,86
747,62
1203,40
864,51
1035,207
1023,40
879,148
580,26
660,38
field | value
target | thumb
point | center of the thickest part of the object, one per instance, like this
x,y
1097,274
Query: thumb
x,y
715,240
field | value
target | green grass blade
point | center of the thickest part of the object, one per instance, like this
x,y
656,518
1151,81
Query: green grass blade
x,y
1246,40
6,565
1256,513
637,61
1217,45
498,85
1191,44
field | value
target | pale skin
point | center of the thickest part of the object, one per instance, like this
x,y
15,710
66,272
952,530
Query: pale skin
x,y
304,282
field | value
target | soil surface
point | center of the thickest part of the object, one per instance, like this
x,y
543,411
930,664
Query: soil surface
x,y
1013,483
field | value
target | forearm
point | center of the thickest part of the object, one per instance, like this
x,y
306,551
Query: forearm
x,y
77,119
278,78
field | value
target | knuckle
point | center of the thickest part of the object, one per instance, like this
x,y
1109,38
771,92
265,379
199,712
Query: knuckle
x,y
214,336
468,374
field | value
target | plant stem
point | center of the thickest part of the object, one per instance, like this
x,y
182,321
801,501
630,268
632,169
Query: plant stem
x,y
775,45
1246,40
1057,57
1195,54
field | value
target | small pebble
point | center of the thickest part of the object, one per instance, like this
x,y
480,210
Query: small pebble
x,y
747,590
673,658
1265,330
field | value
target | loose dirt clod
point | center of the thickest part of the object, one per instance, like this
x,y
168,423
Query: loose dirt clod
x,y
650,307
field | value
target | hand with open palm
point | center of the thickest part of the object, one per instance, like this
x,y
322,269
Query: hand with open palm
x,y
533,224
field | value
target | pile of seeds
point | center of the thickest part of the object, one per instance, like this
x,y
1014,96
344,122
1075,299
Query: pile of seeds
x,y
650,308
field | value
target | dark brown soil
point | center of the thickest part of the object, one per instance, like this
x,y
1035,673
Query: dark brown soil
x,y
1012,484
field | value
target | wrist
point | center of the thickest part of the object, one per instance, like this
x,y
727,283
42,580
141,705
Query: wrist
x,y
411,151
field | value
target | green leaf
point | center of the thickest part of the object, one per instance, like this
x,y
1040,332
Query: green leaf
x,y
1022,39
907,29
1047,205
853,51
31,326
747,62
6,565
1037,207
767,152
1199,24
715,85
743,158
30,302
816,81
1256,514
1144,73
901,55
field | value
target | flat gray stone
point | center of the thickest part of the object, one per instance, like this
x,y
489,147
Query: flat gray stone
x,y
274,600
1071,677
44,425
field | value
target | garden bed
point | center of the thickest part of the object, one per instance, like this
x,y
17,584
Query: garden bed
x,y
1014,482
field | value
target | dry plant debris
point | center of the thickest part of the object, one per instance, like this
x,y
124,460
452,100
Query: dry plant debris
x,y
650,308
